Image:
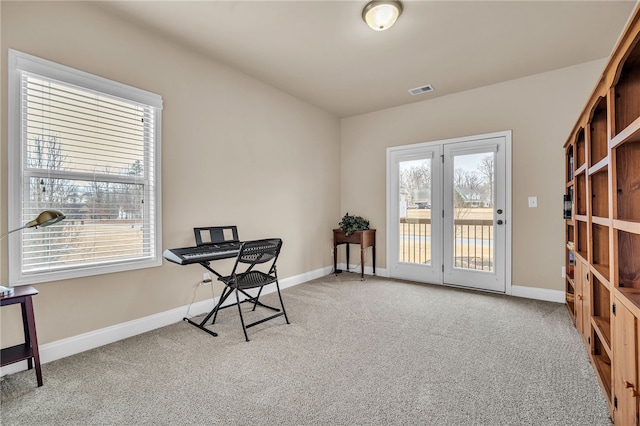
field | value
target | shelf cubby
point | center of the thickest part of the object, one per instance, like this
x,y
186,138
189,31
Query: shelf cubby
x,y
599,141
627,89
570,233
600,249
602,364
582,243
580,203
570,166
570,299
628,260
571,266
580,158
601,309
600,193
570,286
568,203
627,172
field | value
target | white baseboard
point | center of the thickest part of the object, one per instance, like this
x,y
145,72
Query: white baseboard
x,y
93,339
557,296
547,295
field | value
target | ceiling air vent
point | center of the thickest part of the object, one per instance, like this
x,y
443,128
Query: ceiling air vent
x,y
420,90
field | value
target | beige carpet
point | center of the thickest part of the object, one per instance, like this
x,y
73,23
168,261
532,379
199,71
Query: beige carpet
x,y
378,352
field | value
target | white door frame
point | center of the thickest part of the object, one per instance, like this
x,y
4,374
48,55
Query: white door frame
x,y
394,152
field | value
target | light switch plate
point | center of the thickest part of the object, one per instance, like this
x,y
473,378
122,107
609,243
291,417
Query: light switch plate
x,y
533,201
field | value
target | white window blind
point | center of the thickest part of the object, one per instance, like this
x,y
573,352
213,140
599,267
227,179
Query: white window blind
x,y
93,156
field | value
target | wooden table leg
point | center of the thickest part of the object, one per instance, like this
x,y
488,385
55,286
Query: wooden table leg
x,y
26,329
373,249
347,268
362,249
32,338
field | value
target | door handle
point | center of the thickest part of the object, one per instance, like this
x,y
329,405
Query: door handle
x,y
500,222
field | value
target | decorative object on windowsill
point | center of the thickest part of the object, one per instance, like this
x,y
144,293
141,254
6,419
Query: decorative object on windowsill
x,y
45,218
351,224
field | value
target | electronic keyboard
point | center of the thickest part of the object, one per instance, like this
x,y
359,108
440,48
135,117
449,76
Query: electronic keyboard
x,y
202,253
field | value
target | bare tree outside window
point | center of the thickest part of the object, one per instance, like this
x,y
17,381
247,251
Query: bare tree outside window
x,y
416,177
487,171
46,155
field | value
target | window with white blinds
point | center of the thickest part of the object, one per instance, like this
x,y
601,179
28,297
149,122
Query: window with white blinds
x,y
89,147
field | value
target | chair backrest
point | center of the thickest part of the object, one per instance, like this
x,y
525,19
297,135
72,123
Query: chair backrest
x,y
258,252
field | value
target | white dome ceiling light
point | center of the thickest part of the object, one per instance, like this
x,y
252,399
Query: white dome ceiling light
x,y
381,15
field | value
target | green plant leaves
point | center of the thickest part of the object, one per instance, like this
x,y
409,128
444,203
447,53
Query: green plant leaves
x,y
351,224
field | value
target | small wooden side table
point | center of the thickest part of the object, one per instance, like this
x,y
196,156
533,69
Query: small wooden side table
x,y
29,349
364,238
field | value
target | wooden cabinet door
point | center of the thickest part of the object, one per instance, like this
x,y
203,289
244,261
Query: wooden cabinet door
x,y
579,298
582,304
625,364
586,304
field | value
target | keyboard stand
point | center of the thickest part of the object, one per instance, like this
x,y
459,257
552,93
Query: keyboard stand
x,y
225,294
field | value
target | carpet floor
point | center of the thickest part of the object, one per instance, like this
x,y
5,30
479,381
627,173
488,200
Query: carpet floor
x,y
373,352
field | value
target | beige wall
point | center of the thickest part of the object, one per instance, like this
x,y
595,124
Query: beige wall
x,y
540,110
302,168
235,152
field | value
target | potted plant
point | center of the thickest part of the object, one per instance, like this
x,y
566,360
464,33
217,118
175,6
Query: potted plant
x,y
351,224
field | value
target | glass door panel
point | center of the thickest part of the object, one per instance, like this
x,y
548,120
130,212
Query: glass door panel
x,y
415,211
473,213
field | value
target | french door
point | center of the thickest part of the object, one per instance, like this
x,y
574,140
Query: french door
x,y
448,210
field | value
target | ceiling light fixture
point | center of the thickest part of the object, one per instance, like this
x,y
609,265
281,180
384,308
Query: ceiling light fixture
x,y
381,15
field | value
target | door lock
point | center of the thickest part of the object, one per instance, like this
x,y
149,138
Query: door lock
x,y
500,222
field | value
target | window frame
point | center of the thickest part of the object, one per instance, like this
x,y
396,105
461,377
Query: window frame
x,y
19,62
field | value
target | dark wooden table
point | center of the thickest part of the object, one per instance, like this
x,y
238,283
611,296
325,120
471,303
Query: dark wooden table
x,y
364,238
29,349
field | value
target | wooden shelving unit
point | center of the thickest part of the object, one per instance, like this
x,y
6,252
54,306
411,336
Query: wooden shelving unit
x,y
603,227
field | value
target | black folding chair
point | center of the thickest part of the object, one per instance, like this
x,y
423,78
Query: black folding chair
x,y
255,267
